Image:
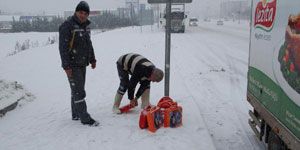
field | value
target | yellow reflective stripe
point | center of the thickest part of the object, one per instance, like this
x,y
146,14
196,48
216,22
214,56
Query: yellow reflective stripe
x,y
127,60
134,62
79,101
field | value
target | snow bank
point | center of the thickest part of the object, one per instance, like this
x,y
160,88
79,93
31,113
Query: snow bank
x,y
12,93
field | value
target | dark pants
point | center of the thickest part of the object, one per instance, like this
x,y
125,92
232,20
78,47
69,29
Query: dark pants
x,y
78,104
124,79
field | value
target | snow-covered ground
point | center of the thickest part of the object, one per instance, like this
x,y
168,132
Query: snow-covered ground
x,y
8,41
208,78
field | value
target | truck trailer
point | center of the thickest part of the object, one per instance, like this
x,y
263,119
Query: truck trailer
x,y
273,87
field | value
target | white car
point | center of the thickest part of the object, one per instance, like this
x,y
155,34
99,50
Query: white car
x,y
193,22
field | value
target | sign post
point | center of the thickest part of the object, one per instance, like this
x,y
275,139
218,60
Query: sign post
x,y
168,38
168,48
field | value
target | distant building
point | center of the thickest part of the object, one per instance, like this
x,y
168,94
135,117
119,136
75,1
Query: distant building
x,y
123,12
156,10
6,21
33,18
92,13
133,6
146,17
142,7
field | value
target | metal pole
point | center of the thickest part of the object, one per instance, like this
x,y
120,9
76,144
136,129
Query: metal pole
x,y
240,12
168,47
158,14
140,20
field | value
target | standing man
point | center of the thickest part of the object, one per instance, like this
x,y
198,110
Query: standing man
x,y
142,71
76,51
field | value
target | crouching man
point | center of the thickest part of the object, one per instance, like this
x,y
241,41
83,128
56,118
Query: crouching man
x,y
134,69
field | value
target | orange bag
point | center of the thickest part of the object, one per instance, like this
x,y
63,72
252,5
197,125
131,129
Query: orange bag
x,y
172,113
167,113
165,102
173,116
143,118
154,119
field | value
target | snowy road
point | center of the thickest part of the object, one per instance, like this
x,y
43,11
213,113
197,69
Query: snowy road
x,y
208,78
217,59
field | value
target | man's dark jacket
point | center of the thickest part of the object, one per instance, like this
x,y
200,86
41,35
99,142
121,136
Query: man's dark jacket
x,y
81,53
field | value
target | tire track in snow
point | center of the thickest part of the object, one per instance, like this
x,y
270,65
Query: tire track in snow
x,y
235,74
193,99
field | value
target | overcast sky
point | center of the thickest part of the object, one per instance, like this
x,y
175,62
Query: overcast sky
x,y
54,6
197,8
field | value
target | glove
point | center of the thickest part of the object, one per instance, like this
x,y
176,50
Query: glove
x,y
69,72
134,102
93,65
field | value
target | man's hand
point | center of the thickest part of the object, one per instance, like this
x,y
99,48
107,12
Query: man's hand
x,y
134,102
93,65
69,72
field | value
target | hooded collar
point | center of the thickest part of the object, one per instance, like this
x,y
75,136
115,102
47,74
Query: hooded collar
x,y
76,19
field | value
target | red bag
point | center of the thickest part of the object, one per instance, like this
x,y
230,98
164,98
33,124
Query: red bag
x,y
154,119
173,116
165,102
143,118
167,113
172,113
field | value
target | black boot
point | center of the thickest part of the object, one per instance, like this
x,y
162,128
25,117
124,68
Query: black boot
x,y
91,122
75,118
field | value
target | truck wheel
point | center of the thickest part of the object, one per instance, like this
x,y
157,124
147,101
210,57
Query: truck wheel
x,y
275,143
